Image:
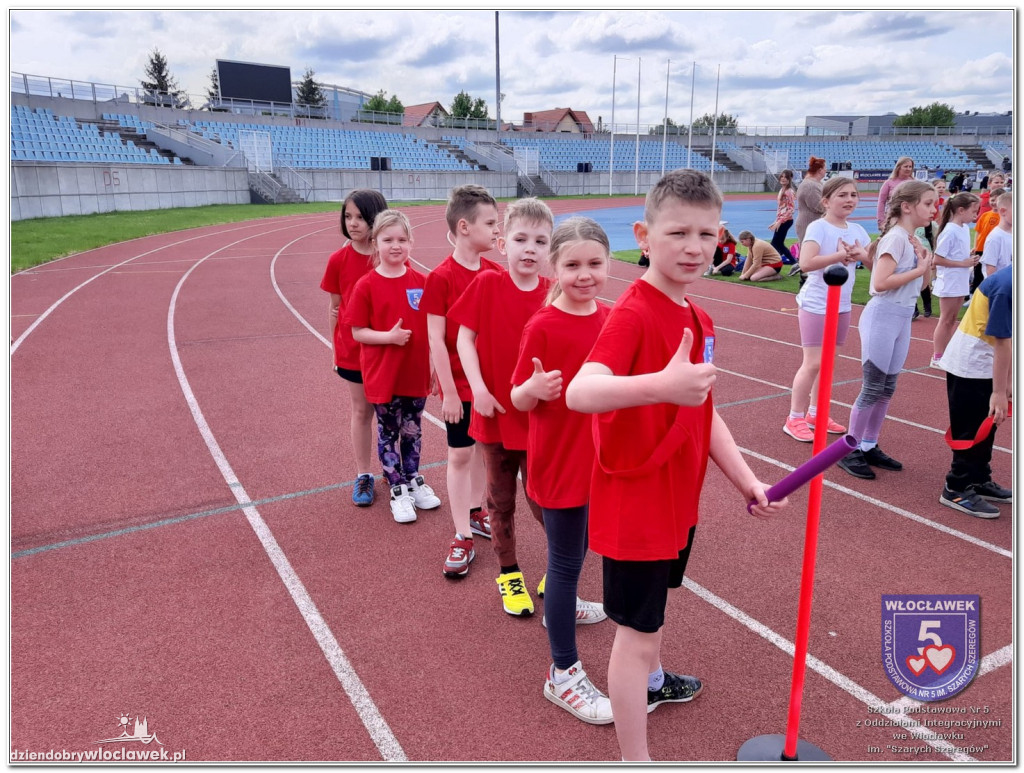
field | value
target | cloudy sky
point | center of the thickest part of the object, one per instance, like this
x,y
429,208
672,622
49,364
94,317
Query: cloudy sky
x,y
776,66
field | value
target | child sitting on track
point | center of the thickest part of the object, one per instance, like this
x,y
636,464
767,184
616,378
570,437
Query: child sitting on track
x,y
472,217
560,449
829,240
344,268
387,321
900,262
649,376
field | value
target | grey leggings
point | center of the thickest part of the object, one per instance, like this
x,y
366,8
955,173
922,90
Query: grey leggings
x,y
884,343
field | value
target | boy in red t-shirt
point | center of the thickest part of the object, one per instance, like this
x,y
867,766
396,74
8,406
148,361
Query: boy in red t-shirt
x,y
649,379
472,216
492,314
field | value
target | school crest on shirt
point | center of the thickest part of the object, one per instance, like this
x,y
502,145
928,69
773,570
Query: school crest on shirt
x,y
414,297
709,348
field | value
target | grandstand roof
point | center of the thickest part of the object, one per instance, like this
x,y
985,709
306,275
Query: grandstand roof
x,y
551,120
416,115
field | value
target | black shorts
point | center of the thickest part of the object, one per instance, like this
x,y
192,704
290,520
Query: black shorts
x,y
635,592
353,376
458,433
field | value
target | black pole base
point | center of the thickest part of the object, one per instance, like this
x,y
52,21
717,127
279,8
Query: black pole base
x,y
769,748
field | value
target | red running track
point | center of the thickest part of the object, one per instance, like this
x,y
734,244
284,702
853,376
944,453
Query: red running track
x,y
184,546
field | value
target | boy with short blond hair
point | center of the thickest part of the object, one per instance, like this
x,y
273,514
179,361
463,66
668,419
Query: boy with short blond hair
x,y
998,249
649,379
472,216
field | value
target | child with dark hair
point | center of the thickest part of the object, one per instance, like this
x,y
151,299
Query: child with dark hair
x,y
344,268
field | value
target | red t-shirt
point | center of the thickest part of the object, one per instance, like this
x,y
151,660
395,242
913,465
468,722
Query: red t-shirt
x,y
344,268
389,370
497,311
650,460
445,285
560,449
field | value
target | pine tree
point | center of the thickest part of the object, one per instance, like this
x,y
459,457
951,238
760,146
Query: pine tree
x,y
213,91
162,88
309,93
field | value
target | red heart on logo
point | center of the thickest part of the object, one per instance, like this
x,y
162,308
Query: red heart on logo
x,y
939,658
917,665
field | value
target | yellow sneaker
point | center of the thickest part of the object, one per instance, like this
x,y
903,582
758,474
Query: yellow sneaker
x,y
514,596
540,588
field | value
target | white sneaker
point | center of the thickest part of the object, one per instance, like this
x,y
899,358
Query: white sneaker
x,y
935,363
587,613
402,504
578,696
422,495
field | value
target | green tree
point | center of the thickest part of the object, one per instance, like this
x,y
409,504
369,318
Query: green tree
x,y
162,88
935,114
464,106
673,128
379,103
308,93
213,90
726,123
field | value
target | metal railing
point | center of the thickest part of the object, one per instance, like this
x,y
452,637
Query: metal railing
x,y
502,160
45,86
296,181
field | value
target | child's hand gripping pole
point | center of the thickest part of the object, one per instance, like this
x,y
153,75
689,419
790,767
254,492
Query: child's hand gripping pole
x,y
803,474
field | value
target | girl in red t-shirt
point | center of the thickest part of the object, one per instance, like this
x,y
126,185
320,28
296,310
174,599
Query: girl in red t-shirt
x,y
560,449
387,321
344,268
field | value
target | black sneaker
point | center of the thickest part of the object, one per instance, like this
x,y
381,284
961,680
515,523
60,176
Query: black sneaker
x,y
876,457
855,464
917,313
677,689
968,502
991,491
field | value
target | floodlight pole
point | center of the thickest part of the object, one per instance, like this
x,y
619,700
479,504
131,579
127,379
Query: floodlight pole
x,y
497,77
689,142
714,123
664,128
611,126
636,173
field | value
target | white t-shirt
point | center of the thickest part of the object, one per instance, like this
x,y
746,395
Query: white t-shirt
x,y
954,244
998,248
812,296
897,243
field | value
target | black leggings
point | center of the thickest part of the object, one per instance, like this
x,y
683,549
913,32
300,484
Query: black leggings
x,y
779,242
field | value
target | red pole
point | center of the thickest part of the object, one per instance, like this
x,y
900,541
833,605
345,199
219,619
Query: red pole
x,y
803,621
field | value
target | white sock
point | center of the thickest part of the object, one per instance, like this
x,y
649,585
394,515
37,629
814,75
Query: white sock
x,y
656,679
867,445
795,415
812,413
364,473
560,678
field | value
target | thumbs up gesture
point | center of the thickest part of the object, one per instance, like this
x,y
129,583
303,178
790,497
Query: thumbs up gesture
x,y
683,383
542,384
399,335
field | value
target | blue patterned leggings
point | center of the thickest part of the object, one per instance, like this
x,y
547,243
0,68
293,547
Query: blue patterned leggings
x,y
398,437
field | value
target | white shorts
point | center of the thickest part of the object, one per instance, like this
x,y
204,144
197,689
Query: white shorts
x,y
952,282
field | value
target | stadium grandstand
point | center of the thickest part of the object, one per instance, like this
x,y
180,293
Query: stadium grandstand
x,y
141,155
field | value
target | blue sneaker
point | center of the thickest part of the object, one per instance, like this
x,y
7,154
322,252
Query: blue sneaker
x,y
362,492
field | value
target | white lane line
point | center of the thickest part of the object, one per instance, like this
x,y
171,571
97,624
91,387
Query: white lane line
x,y
69,293
305,323
844,683
908,422
372,720
891,508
